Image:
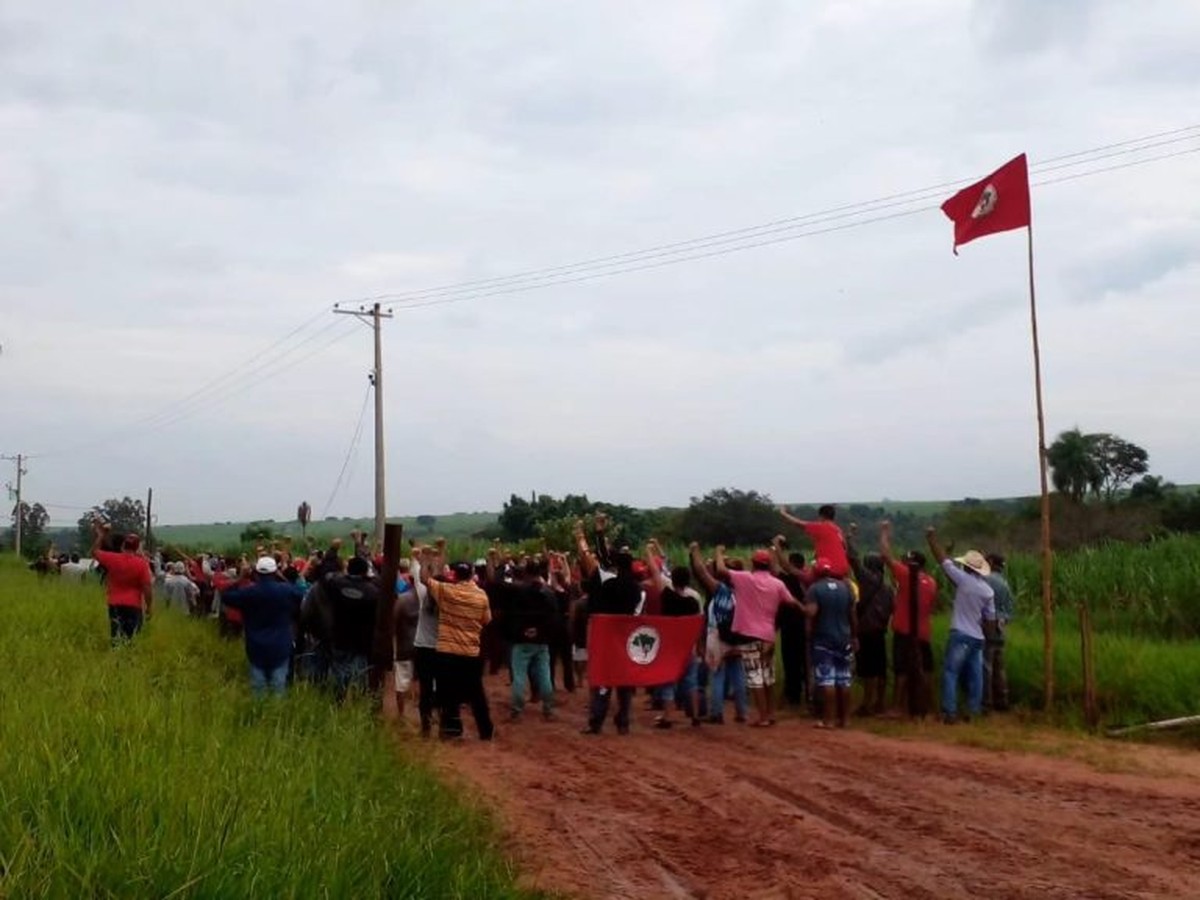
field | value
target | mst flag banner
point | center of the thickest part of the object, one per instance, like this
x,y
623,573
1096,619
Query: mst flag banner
x,y
999,202
640,651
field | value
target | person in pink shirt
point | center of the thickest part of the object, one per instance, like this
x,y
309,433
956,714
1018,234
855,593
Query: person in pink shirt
x,y
758,594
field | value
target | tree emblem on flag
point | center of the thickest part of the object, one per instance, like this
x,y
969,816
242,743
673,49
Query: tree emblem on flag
x,y
987,202
643,645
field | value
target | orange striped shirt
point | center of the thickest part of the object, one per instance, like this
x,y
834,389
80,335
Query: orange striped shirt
x,y
462,612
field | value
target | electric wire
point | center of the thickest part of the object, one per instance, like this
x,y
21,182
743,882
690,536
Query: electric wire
x,y
790,235
175,405
866,206
354,441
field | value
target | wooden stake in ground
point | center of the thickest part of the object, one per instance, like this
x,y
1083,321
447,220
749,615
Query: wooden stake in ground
x,y
381,651
1091,713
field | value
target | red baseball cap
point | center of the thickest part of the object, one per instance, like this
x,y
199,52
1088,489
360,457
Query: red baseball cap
x,y
761,557
822,566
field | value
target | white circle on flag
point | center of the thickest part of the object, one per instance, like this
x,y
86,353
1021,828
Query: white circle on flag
x,y
643,644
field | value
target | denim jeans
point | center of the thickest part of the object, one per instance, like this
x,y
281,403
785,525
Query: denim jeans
x,y
683,692
273,680
535,657
347,670
731,675
964,659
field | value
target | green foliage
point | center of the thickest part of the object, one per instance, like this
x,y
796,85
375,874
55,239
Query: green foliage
x,y
256,533
553,520
729,516
1138,678
34,519
1101,464
428,523
1148,589
126,516
149,772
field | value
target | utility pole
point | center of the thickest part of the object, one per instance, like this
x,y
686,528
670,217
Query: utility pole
x,y
19,459
374,316
149,502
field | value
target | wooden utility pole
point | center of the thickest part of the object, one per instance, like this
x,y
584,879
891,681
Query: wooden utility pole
x,y
381,653
373,317
149,519
20,460
1047,553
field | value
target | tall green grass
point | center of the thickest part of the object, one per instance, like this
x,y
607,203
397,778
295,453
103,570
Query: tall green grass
x,y
1138,678
148,771
1151,588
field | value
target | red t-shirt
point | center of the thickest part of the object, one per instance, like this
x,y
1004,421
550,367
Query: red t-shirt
x,y
829,542
926,598
127,579
221,582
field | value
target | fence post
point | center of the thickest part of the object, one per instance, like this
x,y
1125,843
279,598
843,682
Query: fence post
x,y
1091,714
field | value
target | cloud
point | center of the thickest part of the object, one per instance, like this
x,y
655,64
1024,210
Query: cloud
x,y
185,192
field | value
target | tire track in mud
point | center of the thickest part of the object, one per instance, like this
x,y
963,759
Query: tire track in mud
x,y
789,812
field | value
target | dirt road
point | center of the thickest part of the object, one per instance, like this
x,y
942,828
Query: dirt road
x,y
731,811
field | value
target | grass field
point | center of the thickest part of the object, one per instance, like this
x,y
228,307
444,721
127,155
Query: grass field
x,y
148,771
219,536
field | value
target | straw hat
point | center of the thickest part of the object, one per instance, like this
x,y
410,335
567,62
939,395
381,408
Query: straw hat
x,y
974,561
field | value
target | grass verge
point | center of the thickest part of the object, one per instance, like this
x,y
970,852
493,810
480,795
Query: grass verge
x,y
148,771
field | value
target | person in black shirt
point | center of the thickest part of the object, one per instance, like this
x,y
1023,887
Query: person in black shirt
x,y
875,602
611,591
526,613
342,617
679,598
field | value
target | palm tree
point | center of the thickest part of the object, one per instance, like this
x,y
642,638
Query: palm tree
x,y
1074,468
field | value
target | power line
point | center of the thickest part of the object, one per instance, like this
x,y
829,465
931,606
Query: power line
x,y
175,405
752,231
791,234
358,429
269,369
213,391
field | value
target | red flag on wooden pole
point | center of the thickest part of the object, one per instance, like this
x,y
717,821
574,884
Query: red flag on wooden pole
x,y
997,203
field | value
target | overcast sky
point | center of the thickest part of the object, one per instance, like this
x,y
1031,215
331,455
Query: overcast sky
x,y
183,184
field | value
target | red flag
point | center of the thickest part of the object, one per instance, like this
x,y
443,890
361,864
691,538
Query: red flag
x,y
999,202
640,651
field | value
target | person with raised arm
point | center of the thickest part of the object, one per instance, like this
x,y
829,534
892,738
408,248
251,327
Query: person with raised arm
x,y
911,645
794,627
128,583
678,598
973,618
759,595
723,647
828,541
462,612
613,590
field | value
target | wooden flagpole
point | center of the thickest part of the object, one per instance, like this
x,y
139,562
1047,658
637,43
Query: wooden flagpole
x,y
1047,554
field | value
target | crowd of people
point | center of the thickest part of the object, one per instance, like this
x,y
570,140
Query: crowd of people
x,y
319,617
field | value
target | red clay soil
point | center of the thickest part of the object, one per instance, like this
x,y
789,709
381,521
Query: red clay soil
x,y
739,812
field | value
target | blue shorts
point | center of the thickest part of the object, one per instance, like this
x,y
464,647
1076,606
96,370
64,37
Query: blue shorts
x,y
832,666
